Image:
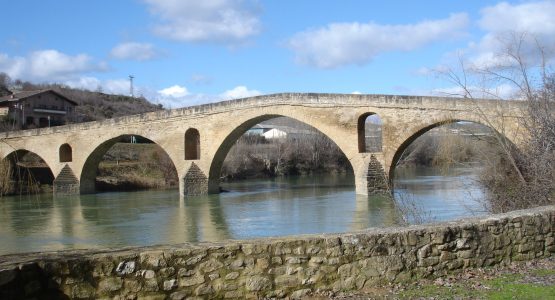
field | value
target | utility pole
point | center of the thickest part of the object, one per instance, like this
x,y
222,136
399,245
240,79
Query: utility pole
x,y
131,85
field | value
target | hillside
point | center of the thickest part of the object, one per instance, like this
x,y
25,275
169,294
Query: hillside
x,y
92,106
95,106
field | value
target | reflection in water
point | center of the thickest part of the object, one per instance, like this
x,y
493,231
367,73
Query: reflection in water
x,y
258,208
447,195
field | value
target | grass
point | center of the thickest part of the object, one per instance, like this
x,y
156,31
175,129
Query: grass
x,y
508,286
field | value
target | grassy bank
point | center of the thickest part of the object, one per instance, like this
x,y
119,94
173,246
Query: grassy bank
x,y
522,280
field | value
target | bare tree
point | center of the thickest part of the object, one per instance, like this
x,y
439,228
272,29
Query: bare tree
x,y
523,177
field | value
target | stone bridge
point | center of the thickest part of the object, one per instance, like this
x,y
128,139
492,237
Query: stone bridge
x,y
198,138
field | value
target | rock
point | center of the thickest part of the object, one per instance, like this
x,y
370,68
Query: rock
x,y
125,267
167,272
170,284
204,289
232,276
132,285
190,281
110,284
153,259
185,272
233,294
258,283
299,294
147,274
150,285
82,291
180,295
210,265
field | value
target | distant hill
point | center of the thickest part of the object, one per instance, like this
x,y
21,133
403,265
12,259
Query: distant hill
x,y
94,106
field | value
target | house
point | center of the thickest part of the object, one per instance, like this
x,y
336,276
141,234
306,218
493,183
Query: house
x,y
278,132
32,109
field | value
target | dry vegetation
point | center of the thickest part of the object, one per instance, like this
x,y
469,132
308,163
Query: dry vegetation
x,y
519,176
136,166
306,152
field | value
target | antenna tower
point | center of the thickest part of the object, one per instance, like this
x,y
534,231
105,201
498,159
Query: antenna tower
x,y
131,85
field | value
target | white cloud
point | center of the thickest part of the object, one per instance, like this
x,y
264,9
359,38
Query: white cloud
x,y
226,21
134,51
533,17
110,86
119,86
525,25
239,92
179,96
501,91
174,91
85,82
356,93
340,44
48,65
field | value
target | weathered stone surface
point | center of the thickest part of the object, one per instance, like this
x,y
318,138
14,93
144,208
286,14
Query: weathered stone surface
x,y
148,274
125,267
154,259
216,270
190,281
299,294
110,284
83,291
340,117
170,285
258,283
210,265
232,276
150,285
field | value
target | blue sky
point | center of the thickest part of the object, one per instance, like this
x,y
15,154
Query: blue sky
x,y
188,52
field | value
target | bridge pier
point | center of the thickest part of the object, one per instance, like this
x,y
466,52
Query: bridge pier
x,y
373,178
376,178
66,183
194,182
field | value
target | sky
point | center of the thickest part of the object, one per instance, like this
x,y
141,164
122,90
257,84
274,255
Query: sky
x,y
186,52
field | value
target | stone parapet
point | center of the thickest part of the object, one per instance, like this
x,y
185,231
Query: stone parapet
x,y
281,267
307,99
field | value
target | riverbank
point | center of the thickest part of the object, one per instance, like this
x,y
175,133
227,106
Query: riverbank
x,y
533,279
284,267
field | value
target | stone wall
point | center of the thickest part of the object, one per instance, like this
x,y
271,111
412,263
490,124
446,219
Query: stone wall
x,y
66,183
281,267
376,178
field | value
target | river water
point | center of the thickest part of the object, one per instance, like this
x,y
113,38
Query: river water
x,y
249,209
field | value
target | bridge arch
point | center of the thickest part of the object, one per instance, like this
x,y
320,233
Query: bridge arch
x,y
423,129
18,161
228,142
89,169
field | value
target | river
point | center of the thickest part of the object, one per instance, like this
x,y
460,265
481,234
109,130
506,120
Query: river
x,y
249,209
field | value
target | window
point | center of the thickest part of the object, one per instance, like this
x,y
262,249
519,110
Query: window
x,y
192,144
65,153
369,133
